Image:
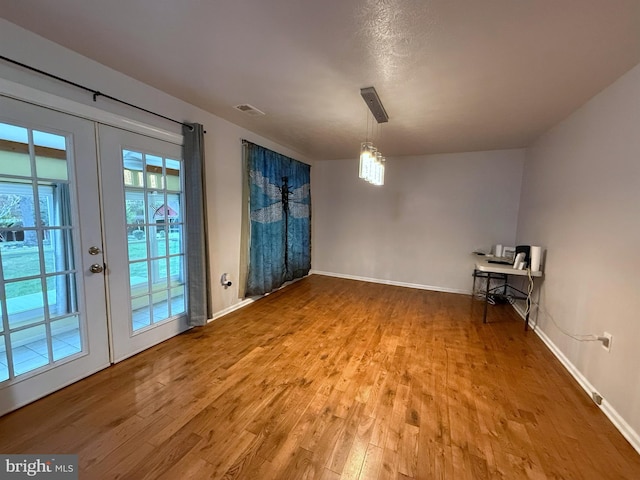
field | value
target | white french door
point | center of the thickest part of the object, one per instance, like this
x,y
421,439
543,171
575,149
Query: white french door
x,y
145,269
53,321
91,248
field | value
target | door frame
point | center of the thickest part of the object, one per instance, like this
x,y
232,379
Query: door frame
x,y
88,112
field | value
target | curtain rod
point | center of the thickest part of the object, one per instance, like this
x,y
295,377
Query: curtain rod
x,y
95,93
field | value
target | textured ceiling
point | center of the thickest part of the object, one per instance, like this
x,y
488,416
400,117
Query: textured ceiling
x,y
453,75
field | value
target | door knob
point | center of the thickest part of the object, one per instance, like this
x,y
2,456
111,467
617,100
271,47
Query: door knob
x,y
96,268
94,250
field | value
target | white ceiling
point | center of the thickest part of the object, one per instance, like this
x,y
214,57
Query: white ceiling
x,y
453,75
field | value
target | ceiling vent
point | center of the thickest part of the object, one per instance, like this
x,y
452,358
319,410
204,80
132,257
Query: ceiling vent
x,y
249,110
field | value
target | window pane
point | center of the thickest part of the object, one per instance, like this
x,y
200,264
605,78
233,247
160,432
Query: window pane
x,y
13,133
139,277
137,244
47,214
29,349
173,175
132,163
141,313
173,207
175,265
65,337
24,302
14,150
155,175
156,243
4,369
155,203
61,295
160,306
135,208
49,140
20,261
159,274
161,240
51,155
175,239
55,205
177,300
173,166
17,211
58,248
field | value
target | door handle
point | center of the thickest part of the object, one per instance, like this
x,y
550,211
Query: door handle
x,y
96,268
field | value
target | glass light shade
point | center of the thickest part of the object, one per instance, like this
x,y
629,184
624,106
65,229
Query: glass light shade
x,y
371,164
365,154
369,161
375,170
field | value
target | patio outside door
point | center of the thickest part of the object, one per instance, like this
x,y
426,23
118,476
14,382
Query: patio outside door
x,y
144,231
71,304
53,322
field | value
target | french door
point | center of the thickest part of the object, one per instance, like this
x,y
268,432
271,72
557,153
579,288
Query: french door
x,y
145,271
86,279
53,325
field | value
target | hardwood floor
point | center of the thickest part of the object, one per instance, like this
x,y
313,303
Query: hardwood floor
x,y
334,379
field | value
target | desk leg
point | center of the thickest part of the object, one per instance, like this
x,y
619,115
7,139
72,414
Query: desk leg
x,y
473,289
486,298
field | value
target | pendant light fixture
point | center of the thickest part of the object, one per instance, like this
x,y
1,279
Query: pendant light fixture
x,y
371,160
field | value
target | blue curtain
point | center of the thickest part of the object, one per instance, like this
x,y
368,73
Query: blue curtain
x,y
280,219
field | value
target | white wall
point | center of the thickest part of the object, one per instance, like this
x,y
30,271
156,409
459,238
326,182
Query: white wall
x,y
422,225
581,201
222,141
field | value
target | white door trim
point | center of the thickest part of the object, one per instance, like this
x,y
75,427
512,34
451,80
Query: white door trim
x,y
64,105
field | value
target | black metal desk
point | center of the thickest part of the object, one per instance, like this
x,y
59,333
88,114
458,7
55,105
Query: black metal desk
x,y
496,271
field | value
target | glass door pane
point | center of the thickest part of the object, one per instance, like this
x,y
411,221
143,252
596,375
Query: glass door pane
x,y
37,274
154,222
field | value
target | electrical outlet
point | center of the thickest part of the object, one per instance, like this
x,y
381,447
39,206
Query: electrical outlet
x,y
606,344
597,398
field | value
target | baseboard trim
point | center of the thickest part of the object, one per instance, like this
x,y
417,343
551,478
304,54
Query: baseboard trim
x,y
248,301
391,282
232,308
623,427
